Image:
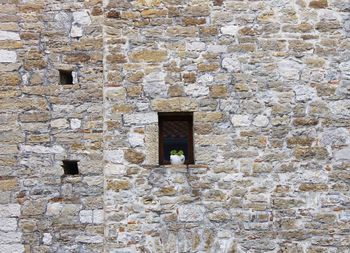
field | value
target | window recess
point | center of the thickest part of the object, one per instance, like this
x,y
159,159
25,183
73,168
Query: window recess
x,y
175,132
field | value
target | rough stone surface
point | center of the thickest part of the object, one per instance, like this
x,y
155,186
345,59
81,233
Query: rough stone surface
x,y
268,83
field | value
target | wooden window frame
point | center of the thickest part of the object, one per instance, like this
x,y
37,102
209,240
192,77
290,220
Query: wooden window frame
x,y
176,116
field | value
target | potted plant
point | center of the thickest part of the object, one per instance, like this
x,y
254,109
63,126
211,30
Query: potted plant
x,y
177,157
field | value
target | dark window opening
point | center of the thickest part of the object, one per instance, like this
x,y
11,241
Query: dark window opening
x,y
66,77
175,132
70,167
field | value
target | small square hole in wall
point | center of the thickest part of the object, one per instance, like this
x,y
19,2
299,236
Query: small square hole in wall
x,y
66,77
70,167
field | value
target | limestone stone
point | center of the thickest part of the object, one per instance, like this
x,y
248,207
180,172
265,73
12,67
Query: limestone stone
x,y
261,121
5,35
15,248
140,118
240,120
231,65
8,224
47,239
190,213
10,210
8,56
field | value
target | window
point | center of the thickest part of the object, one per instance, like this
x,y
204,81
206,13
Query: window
x,y
175,132
70,167
66,77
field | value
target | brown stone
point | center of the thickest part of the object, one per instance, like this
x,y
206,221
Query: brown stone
x,y
117,185
116,58
133,156
188,21
248,31
177,104
285,203
77,58
96,11
113,14
122,108
299,140
318,4
10,79
8,184
154,13
167,191
215,195
305,122
149,56
218,91
196,10
310,153
209,31
179,31
31,7
208,116
328,25
10,44
175,91
189,77
208,67
218,2
149,2
315,62
300,46
136,77
134,91
313,187
34,117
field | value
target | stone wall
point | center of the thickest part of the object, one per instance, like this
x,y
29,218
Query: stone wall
x,y
268,83
43,123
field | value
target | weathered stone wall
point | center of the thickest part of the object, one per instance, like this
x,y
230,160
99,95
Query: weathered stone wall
x,y
269,85
43,123
268,82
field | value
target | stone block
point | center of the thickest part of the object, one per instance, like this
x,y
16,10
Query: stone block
x,y
140,118
178,104
10,210
8,184
8,224
85,216
8,56
5,35
13,248
10,237
152,56
191,213
318,4
208,116
133,156
240,120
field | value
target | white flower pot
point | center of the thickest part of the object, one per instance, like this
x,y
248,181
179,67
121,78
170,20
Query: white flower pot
x,y
177,159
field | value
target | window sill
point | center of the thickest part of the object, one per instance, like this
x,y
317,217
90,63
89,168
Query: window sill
x,y
181,167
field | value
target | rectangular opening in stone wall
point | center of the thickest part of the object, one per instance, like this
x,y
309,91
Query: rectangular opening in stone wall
x,y
66,77
175,133
70,167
